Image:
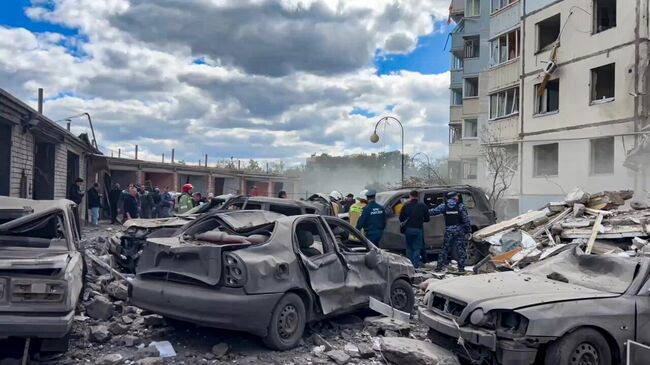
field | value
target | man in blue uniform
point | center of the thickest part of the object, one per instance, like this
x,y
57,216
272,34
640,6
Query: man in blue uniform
x,y
457,227
373,218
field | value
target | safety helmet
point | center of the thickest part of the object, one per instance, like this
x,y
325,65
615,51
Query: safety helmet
x,y
336,196
362,194
187,188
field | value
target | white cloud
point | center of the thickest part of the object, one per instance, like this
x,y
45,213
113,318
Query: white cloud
x,y
279,81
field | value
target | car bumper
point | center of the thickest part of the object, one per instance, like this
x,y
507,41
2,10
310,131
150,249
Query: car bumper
x,y
36,325
227,308
506,351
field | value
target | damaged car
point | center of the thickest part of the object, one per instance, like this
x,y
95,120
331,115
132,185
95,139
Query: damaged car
x,y
126,246
570,308
41,271
267,274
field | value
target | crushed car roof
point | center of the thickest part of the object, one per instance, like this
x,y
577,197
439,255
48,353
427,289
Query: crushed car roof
x,y
243,219
9,203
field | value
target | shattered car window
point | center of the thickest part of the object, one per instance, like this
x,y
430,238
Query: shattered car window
x,y
46,231
607,273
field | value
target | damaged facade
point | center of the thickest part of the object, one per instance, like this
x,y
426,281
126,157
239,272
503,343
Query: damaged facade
x,y
582,124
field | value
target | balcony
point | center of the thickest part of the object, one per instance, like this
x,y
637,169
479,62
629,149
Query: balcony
x,y
472,66
457,43
504,130
504,19
471,106
457,8
456,113
504,75
463,149
456,81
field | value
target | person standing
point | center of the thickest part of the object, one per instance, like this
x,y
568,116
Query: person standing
x,y
166,203
335,200
356,209
131,208
282,194
348,201
373,219
185,200
75,194
155,209
412,217
146,203
94,203
457,228
113,199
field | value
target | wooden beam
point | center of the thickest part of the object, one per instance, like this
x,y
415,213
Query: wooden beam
x,y
594,234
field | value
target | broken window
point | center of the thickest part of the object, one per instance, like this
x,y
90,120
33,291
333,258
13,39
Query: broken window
x,y
602,155
285,209
456,62
504,103
546,159
471,87
470,128
505,47
500,4
456,97
470,168
473,8
455,133
347,239
604,15
548,31
550,99
602,83
472,47
311,240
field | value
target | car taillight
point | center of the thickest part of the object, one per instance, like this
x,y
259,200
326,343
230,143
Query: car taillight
x,y
234,271
37,291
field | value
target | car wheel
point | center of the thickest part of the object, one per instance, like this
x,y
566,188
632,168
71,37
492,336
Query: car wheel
x,y
287,323
585,346
402,296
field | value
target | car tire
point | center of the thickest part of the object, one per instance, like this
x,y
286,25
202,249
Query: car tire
x,y
584,346
402,296
287,323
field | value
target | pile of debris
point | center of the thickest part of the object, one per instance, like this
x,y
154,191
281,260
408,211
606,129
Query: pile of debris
x,y
602,223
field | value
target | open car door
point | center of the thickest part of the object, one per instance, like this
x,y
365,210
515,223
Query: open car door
x,y
325,269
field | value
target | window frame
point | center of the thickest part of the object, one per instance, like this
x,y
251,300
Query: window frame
x,y
496,41
536,162
592,159
329,247
457,63
453,96
538,47
453,139
594,17
363,242
464,128
536,112
477,8
475,42
514,110
467,171
593,81
465,80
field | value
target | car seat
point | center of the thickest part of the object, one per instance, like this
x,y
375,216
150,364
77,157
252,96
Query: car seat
x,y
305,241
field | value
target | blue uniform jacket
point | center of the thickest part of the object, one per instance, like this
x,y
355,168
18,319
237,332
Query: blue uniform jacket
x,y
464,217
373,218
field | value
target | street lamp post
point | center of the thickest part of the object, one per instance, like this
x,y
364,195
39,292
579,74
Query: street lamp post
x,y
374,138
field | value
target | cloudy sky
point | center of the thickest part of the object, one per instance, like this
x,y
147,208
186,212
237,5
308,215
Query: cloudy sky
x,y
266,79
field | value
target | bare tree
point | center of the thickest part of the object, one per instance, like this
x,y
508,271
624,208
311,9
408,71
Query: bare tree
x,y
501,162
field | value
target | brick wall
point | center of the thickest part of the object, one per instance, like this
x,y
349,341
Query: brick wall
x,y
22,159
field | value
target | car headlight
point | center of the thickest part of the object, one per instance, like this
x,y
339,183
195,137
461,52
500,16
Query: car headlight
x,y
511,323
479,318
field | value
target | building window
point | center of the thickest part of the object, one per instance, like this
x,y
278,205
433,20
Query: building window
x,y
505,47
454,169
471,87
456,62
473,8
455,133
548,31
602,156
456,97
546,159
472,47
550,100
470,128
504,103
470,168
602,83
604,15
500,4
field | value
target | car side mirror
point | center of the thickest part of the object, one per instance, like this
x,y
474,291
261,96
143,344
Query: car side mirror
x,y
372,259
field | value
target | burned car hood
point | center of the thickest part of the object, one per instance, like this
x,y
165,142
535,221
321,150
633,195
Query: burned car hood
x,y
156,223
511,290
24,259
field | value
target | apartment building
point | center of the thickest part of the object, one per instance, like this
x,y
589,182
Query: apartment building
x,y
566,95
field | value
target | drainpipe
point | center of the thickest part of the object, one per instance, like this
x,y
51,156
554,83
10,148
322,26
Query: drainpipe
x,y
40,100
521,102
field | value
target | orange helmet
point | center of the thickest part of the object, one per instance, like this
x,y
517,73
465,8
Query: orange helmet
x,y
187,188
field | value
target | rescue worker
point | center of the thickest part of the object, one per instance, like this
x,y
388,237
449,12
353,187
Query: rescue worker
x,y
185,202
356,209
373,219
335,199
457,228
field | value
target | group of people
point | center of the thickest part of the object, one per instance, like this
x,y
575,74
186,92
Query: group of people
x,y
370,217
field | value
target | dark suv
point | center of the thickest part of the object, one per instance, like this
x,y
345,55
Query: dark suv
x,y
480,214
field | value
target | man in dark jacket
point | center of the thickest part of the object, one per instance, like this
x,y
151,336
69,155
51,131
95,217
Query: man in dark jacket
x,y
157,197
113,199
131,208
146,203
94,203
412,217
457,228
373,219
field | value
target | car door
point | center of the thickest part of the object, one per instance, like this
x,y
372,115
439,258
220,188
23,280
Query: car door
x,y
434,230
393,239
325,268
362,281
643,314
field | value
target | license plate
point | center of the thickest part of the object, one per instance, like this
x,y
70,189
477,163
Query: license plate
x,y
38,288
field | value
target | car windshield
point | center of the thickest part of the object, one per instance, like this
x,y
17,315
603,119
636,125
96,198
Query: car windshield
x,y
38,232
200,209
606,273
382,198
